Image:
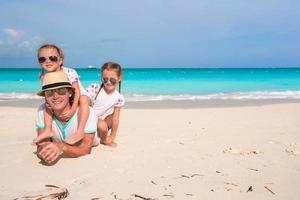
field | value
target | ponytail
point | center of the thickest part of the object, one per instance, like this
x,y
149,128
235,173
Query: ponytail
x,y
101,86
119,86
42,74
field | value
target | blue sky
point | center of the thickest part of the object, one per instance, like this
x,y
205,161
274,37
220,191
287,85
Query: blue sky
x,y
157,33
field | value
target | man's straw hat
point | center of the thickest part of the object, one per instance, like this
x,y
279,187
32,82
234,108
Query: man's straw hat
x,y
54,80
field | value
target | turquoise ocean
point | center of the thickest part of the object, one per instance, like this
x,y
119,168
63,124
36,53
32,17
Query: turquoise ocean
x,y
143,84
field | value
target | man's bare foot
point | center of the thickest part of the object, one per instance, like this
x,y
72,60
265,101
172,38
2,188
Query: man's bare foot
x,y
74,138
44,135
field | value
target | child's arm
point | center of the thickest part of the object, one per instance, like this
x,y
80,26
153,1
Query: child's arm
x,y
77,94
83,114
48,117
115,122
47,130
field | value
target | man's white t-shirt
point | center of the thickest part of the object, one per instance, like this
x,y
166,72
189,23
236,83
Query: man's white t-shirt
x,y
61,132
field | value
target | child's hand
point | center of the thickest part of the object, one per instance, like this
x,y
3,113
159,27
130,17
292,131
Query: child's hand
x,y
48,106
67,115
46,134
74,138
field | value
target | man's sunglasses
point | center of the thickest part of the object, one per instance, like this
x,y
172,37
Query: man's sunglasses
x,y
51,58
113,81
59,91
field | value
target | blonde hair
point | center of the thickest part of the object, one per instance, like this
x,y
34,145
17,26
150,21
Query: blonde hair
x,y
115,67
112,66
50,46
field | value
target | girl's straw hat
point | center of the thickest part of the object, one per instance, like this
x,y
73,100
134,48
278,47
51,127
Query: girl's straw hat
x,y
54,80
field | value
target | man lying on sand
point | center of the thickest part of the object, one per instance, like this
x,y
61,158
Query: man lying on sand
x,y
58,94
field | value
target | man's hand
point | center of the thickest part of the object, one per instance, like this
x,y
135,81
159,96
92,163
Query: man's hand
x,y
49,152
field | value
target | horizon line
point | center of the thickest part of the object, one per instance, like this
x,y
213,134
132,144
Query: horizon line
x,y
91,68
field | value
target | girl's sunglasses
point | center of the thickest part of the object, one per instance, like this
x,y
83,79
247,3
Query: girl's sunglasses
x,y
113,81
59,91
51,58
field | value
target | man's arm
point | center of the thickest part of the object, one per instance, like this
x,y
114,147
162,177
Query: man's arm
x,y
51,151
83,148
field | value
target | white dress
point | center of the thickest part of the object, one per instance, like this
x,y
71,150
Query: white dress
x,y
73,77
104,102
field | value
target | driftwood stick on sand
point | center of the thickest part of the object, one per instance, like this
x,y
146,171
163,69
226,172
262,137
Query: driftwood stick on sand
x,y
269,190
141,197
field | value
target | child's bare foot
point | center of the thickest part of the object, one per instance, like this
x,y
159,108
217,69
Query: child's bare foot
x,y
109,142
45,134
74,138
112,144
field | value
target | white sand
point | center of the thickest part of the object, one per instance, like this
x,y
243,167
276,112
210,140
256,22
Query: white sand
x,y
200,153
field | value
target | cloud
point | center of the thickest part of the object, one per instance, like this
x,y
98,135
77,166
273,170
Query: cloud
x,y
156,32
30,43
17,47
19,40
12,32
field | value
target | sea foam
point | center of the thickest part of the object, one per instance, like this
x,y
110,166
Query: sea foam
x,y
216,96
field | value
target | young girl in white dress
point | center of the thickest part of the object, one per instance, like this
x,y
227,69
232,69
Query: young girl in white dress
x,y
107,102
51,60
